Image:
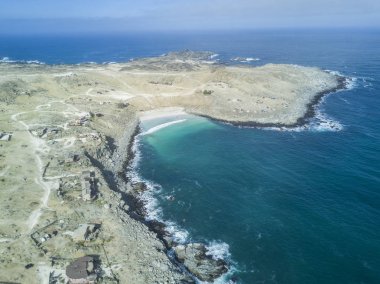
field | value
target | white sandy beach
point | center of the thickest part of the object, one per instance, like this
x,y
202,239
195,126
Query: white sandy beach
x,y
161,113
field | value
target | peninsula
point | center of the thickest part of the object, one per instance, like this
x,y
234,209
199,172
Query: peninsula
x,y
68,210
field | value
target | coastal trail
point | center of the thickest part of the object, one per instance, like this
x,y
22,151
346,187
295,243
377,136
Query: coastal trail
x,y
41,148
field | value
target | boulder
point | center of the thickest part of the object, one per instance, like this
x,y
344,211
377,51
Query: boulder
x,y
203,266
140,187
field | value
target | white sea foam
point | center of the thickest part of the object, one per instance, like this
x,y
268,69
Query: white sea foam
x,y
226,277
215,249
151,204
178,234
214,56
8,60
136,159
221,250
365,82
320,123
333,72
245,59
350,82
249,59
163,125
153,211
33,62
218,250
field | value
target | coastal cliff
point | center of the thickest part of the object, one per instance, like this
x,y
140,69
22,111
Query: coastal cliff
x,y
68,120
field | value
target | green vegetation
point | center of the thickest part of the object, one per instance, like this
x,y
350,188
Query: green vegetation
x,y
207,92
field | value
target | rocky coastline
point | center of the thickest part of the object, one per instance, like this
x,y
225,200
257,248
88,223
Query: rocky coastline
x,y
196,261
191,258
91,112
343,83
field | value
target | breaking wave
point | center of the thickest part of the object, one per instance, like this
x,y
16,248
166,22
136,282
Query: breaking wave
x,y
214,56
245,59
218,250
350,81
320,123
215,249
161,126
9,60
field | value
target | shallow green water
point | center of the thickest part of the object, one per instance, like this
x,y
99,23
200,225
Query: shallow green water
x,y
293,206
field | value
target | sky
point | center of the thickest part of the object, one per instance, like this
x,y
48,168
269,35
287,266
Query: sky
x,y
33,16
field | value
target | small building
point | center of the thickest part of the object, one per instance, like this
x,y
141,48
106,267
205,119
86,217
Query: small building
x,y
88,185
72,158
82,271
47,132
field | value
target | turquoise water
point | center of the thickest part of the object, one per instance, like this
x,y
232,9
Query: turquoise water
x,y
291,207
297,206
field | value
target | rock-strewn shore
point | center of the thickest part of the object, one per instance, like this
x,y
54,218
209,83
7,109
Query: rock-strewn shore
x,y
342,83
127,203
76,124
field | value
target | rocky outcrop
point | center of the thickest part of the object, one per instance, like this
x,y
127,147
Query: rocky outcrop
x,y
194,256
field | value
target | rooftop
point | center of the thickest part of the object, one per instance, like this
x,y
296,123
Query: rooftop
x,y
82,268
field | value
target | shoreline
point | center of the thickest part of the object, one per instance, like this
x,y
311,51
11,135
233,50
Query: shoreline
x,y
138,210
301,121
104,130
161,113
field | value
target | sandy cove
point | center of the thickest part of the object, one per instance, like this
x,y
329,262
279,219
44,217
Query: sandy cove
x,y
71,119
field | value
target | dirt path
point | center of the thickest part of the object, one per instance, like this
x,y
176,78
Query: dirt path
x,y
40,147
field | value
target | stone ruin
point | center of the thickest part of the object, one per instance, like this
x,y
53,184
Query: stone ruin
x,y
48,132
41,236
71,158
89,186
82,271
82,121
86,232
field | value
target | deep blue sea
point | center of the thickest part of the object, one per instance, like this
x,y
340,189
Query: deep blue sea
x,y
299,206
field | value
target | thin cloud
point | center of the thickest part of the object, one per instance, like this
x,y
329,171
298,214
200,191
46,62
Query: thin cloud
x,y
197,14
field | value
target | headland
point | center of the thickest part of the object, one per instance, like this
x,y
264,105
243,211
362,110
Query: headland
x,y
66,142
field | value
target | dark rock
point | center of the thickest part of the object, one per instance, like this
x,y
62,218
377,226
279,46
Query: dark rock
x,y
29,265
140,187
203,266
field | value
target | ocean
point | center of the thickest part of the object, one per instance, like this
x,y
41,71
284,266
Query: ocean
x,y
281,205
